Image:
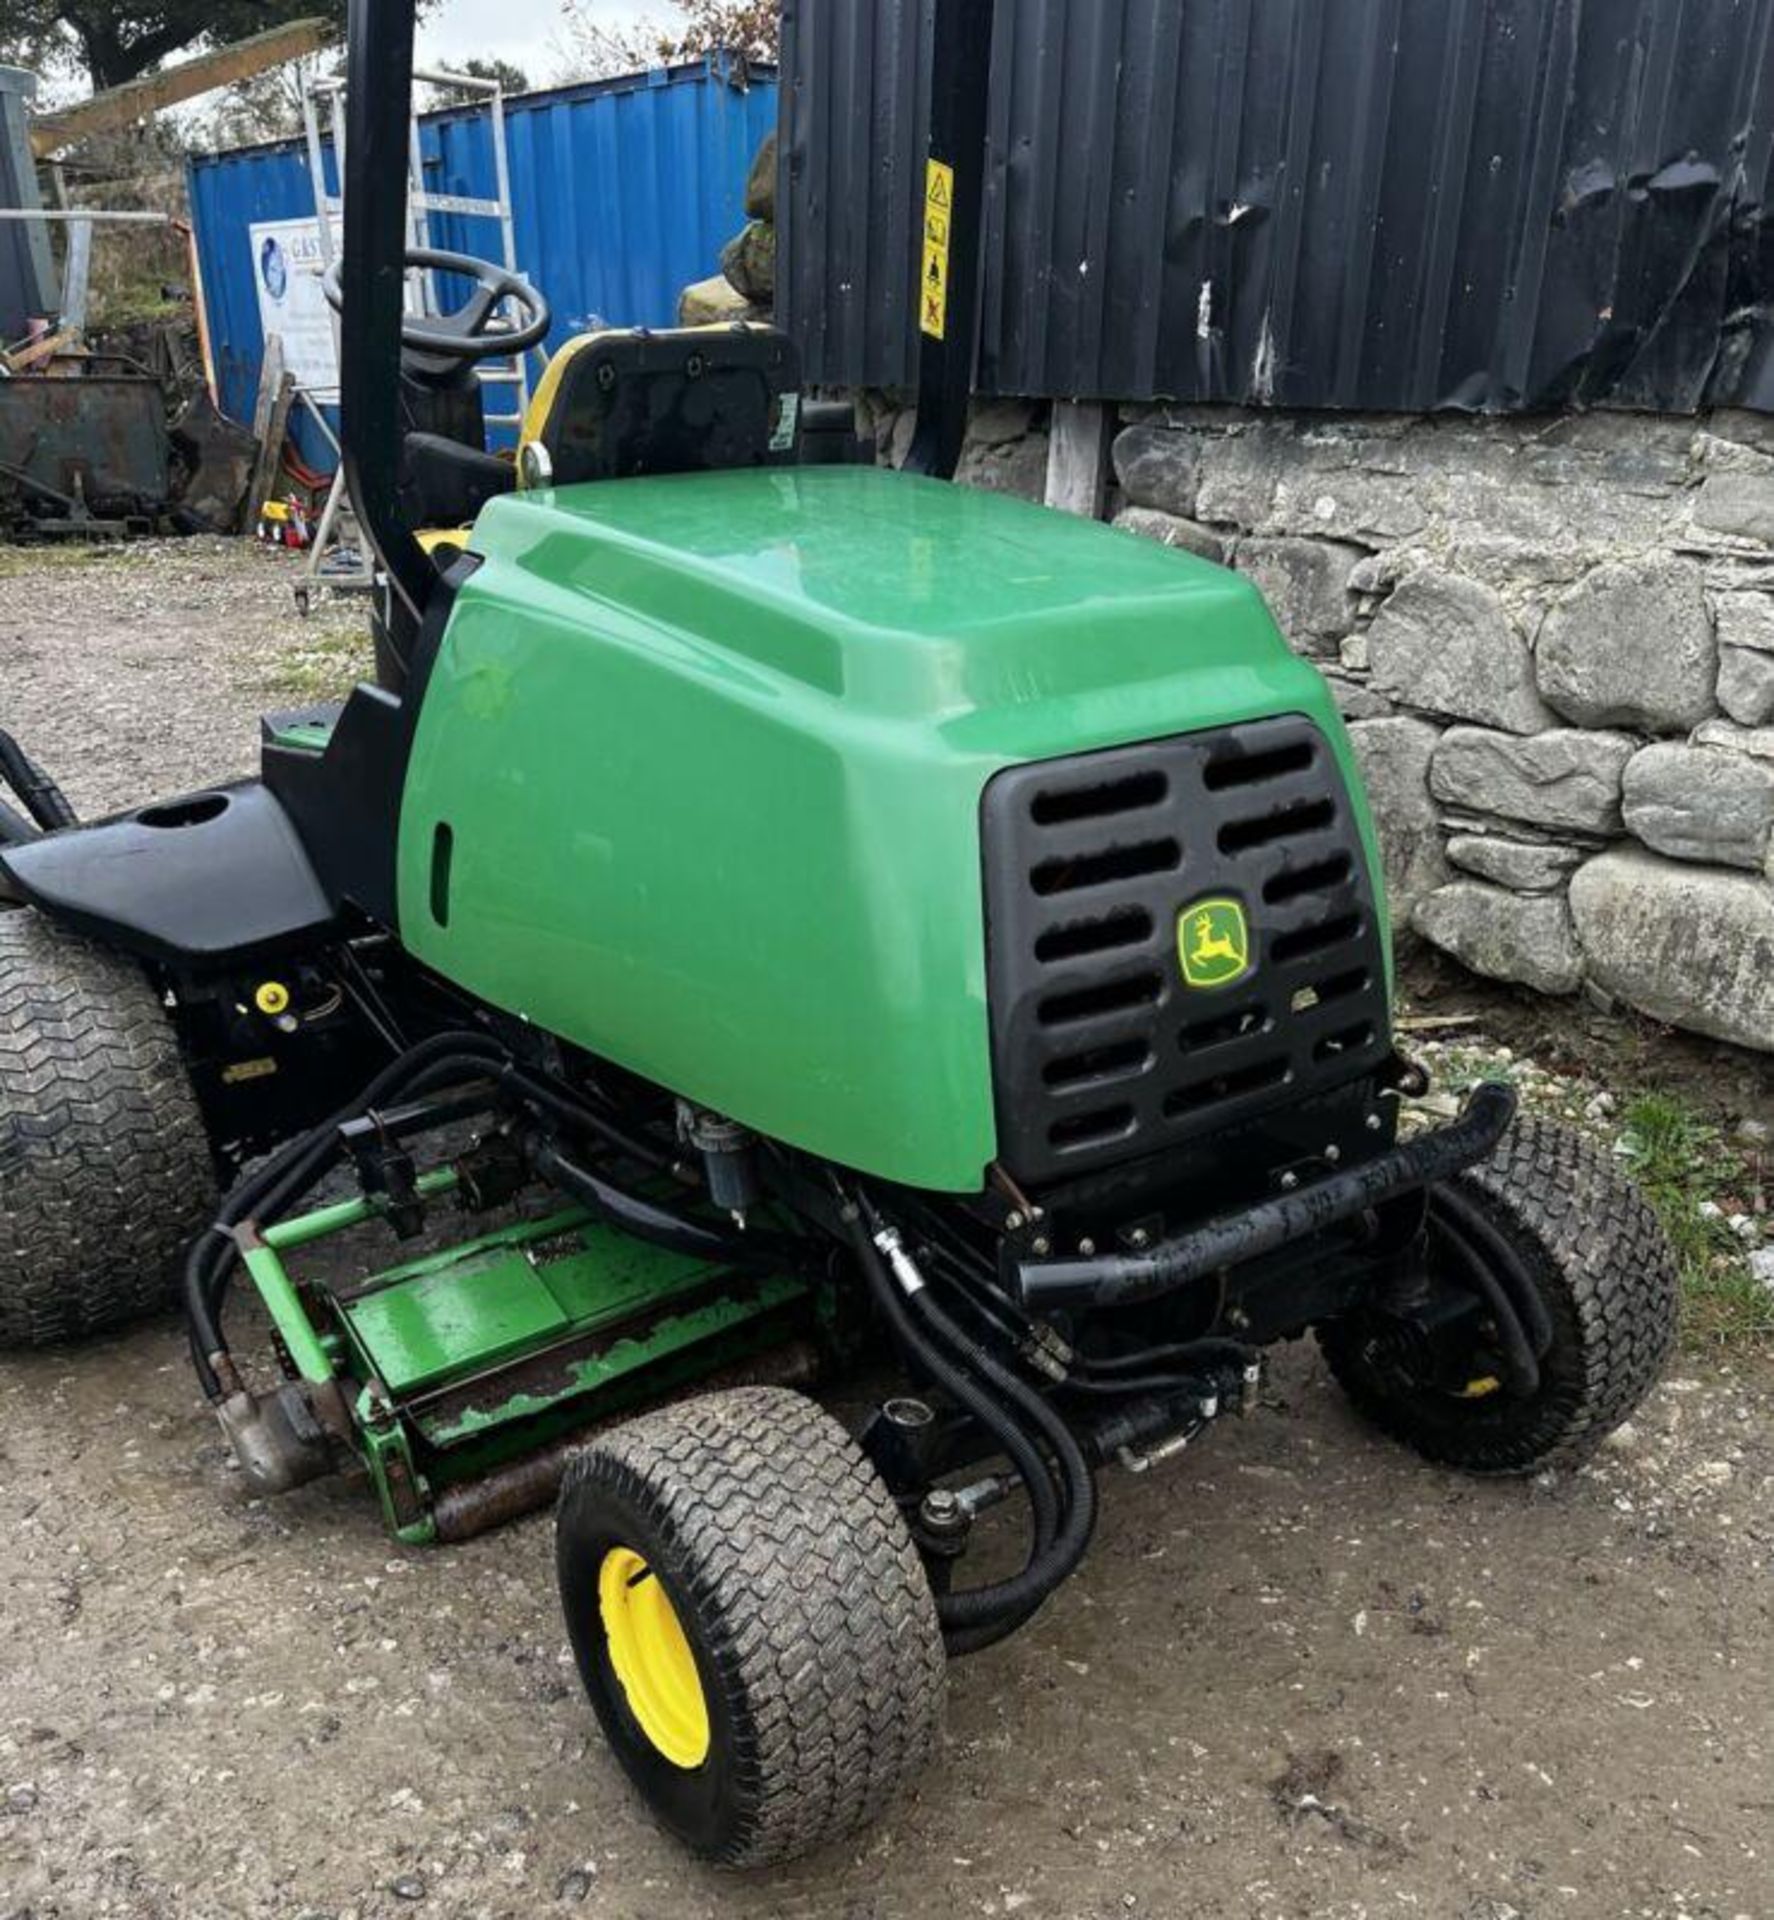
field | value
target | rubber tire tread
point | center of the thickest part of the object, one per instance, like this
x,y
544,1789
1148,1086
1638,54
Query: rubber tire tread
x,y
105,1169
806,1601
1596,1249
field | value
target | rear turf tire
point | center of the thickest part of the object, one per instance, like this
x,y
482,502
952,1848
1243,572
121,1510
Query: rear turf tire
x,y
1597,1254
802,1600
105,1171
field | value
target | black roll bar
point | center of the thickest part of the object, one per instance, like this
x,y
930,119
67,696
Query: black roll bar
x,y
378,106
960,89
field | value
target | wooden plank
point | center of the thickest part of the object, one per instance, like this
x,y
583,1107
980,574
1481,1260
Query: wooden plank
x,y
271,452
271,413
119,107
43,348
270,372
1078,457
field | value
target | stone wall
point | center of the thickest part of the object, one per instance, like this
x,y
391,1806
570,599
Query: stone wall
x,y
745,287
1553,640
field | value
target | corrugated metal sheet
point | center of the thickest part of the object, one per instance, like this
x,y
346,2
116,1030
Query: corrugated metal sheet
x,y
622,192
1479,204
228,192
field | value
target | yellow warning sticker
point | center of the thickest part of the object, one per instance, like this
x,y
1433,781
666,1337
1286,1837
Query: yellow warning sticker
x,y
933,274
934,280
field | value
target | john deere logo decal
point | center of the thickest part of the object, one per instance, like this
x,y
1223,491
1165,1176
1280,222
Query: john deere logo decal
x,y
1213,943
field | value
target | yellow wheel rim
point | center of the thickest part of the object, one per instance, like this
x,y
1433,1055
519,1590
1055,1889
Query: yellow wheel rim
x,y
654,1665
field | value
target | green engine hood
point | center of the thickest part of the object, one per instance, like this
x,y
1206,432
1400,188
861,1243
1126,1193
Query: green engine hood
x,y
708,752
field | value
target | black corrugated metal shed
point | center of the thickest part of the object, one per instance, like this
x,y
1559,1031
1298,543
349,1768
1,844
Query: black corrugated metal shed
x,y
1483,204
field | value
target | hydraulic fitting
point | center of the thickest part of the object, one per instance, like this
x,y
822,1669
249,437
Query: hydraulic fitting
x,y
727,1158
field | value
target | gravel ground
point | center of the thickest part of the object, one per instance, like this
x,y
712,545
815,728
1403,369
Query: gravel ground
x,y
1300,1675
141,672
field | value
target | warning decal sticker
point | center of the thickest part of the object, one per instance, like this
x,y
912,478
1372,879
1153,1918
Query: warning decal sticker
x,y
933,275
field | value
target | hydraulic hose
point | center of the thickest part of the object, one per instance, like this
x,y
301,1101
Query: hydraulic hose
x,y
289,1173
1448,1203
1121,1279
44,801
1007,1407
1141,1370
647,1220
271,1199
975,1618
1119,1379
273,1188
1046,1570
576,1113
1520,1367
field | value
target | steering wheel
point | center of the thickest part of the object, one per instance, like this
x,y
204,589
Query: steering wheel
x,y
471,332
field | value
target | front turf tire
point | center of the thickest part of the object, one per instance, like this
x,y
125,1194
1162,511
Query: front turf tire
x,y
105,1170
1599,1258
803,1604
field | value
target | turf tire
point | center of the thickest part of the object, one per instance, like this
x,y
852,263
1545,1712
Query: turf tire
x,y
105,1170
804,1602
1592,1245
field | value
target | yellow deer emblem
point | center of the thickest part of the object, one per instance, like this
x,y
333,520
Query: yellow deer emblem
x,y
1213,942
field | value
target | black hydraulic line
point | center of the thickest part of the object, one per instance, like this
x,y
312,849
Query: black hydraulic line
x,y
979,1616
44,801
267,1194
1448,1203
1077,1480
1521,1371
1145,1370
288,1173
1204,1353
976,1617
664,1227
1121,1279
986,1303
355,980
576,1113
1156,1359
275,1186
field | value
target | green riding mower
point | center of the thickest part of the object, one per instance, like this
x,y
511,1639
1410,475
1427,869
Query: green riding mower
x,y
773,923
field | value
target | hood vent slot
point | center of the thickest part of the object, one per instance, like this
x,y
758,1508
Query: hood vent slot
x,y
1073,872
1053,809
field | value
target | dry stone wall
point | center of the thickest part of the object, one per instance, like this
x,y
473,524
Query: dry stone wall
x,y
1553,641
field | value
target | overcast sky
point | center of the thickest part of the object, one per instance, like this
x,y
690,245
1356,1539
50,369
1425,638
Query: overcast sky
x,y
525,32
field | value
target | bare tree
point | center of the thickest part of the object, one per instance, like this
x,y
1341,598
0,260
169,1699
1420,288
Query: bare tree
x,y
590,50
511,78
266,107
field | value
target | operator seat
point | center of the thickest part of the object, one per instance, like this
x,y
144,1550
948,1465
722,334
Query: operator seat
x,y
625,402
446,474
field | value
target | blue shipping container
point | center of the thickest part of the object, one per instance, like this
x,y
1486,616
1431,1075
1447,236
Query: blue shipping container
x,y
623,191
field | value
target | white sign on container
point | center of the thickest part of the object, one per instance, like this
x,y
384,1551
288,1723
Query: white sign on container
x,y
287,265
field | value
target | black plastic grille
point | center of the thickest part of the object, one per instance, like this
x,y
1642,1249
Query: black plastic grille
x,y
1101,1051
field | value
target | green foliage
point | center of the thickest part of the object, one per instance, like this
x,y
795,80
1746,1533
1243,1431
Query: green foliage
x,y
326,664
752,29
512,79
1696,1175
1695,1179
19,562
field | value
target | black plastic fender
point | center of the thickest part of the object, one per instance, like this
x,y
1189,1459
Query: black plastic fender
x,y
205,880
